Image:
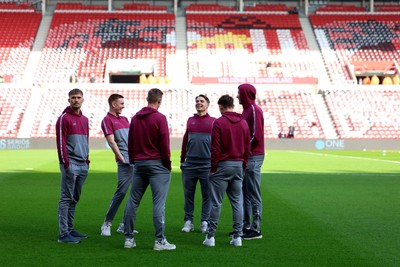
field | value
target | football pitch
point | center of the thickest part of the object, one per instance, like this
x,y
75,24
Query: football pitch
x,y
320,208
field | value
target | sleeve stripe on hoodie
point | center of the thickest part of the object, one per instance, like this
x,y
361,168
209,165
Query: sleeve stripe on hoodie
x,y
254,124
105,127
61,138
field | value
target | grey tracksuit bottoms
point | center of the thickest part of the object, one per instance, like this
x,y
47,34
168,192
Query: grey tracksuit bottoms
x,y
153,173
72,180
125,176
228,178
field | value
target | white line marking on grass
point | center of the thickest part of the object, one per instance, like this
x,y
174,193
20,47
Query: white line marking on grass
x,y
341,156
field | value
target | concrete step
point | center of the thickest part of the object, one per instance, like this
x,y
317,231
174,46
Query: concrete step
x,y
324,117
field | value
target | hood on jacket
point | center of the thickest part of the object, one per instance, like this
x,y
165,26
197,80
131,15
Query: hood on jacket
x,y
247,94
233,117
144,112
69,110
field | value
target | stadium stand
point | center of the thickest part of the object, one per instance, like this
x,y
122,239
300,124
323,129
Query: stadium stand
x,y
96,106
18,29
15,6
208,8
266,43
79,6
354,37
284,108
367,114
387,8
80,44
247,45
269,7
13,103
142,7
339,8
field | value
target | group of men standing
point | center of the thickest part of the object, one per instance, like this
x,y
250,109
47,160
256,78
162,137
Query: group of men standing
x,y
224,155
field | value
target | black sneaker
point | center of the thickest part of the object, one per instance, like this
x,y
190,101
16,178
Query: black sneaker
x,y
68,238
244,231
76,234
252,235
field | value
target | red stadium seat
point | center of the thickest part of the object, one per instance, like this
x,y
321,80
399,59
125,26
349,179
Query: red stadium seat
x,y
81,43
246,45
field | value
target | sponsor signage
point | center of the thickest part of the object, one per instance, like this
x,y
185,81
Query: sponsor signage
x,y
330,144
14,144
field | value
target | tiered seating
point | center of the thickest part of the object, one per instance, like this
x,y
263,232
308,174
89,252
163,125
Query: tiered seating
x,y
96,107
143,7
208,7
387,8
270,7
78,6
247,45
16,6
365,114
339,8
284,108
81,43
18,30
344,38
369,114
13,103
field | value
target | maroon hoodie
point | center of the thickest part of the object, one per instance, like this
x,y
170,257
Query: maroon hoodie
x,y
230,140
148,137
254,117
72,138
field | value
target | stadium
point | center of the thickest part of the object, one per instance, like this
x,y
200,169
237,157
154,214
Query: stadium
x,y
330,69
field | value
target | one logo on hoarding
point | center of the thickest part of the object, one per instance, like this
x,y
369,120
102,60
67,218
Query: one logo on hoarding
x,y
330,144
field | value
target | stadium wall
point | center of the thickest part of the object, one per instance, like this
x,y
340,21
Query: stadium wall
x,y
270,144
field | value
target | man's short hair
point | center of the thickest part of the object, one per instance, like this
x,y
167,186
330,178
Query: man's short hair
x,y
203,96
226,101
75,91
114,97
154,95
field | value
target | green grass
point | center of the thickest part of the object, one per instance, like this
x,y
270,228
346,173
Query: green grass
x,y
338,208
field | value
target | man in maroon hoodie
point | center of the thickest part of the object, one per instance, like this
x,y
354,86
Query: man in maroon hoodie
x,y
230,150
196,163
252,201
149,150
72,136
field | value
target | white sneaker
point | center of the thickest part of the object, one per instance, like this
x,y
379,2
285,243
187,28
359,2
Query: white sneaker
x,y
163,245
237,242
203,227
130,243
121,229
106,229
187,227
209,242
